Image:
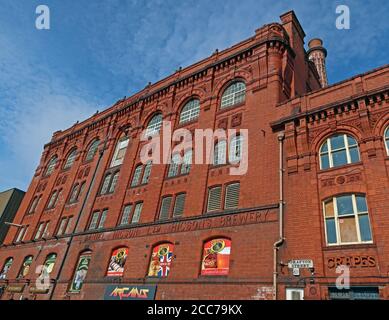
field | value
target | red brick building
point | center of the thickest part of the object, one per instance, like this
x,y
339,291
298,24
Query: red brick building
x,y
104,224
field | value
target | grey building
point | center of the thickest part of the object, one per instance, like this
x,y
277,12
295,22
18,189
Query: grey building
x,y
9,205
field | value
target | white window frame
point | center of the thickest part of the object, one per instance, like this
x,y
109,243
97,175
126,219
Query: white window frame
x,y
190,111
230,99
235,146
121,144
137,212
220,153
51,166
355,214
70,159
289,292
137,176
386,140
330,151
154,126
92,150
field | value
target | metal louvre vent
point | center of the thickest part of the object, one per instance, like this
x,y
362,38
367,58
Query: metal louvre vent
x,y
179,205
165,208
214,196
232,196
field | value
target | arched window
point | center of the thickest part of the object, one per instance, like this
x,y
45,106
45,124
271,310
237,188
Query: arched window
x,y
73,195
6,268
51,166
117,262
216,257
187,162
147,172
220,153
92,150
154,125
387,140
235,150
49,264
190,111
347,220
25,269
81,271
174,166
161,259
52,200
70,159
34,204
120,152
136,176
114,182
338,150
104,188
234,94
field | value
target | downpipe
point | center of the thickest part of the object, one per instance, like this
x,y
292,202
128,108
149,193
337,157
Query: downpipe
x,y
281,238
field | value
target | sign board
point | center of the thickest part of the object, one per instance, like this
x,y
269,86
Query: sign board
x,y
129,292
300,264
354,293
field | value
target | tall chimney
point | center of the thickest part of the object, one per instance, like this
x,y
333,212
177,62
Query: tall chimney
x,y
317,54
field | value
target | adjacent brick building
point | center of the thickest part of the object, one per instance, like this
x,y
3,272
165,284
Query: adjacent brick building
x,y
106,225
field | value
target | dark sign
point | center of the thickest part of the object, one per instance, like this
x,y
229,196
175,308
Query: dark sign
x,y
354,293
129,292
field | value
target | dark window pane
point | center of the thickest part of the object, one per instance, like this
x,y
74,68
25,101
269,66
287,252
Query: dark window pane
x,y
339,158
364,227
331,231
354,154
325,162
324,148
345,205
351,141
361,204
337,142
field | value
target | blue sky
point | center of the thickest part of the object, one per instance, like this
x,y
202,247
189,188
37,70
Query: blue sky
x,y
97,52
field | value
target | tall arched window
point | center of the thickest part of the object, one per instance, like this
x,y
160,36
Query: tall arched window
x,y
107,180
216,257
147,172
136,177
114,182
387,140
220,153
161,259
49,264
347,220
235,150
92,150
70,159
234,94
154,125
117,262
190,111
338,150
7,266
120,152
81,271
51,166
25,269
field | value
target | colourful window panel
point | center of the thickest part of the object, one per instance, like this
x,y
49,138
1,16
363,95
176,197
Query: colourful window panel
x,y
161,260
117,262
81,272
216,257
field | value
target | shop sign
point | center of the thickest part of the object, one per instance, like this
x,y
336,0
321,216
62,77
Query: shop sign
x,y
129,292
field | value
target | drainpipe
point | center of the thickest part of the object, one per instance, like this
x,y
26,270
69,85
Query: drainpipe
x,y
281,238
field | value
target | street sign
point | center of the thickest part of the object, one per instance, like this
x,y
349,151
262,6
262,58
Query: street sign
x,y
300,264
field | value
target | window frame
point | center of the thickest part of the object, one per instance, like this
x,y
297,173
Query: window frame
x,y
356,216
70,159
115,162
89,156
386,140
330,151
98,225
51,166
190,112
223,105
153,129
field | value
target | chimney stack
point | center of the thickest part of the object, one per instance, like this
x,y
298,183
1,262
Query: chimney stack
x,y
317,54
